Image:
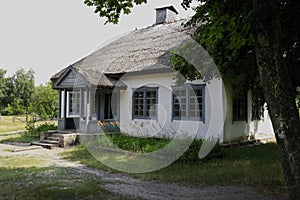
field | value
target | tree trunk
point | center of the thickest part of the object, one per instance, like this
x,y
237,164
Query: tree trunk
x,y
278,89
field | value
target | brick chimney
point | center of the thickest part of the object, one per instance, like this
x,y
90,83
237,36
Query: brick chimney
x,y
165,14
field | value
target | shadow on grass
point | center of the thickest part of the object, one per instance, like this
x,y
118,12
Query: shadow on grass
x,y
18,138
257,166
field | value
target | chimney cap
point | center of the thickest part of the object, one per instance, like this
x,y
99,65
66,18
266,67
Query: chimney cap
x,y
170,7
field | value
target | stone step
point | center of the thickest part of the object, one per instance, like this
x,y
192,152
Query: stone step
x,y
240,143
58,135
58,131
53,138
45,145
50,141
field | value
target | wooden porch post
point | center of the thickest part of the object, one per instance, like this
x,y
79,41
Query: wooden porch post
x,y
87,108
59,104
65,108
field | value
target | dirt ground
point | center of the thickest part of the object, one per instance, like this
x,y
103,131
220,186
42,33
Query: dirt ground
x,y
133,188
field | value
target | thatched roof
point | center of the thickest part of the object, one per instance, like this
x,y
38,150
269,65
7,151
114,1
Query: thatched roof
x,y
143,49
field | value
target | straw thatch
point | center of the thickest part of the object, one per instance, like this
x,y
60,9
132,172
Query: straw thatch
x,y
140,50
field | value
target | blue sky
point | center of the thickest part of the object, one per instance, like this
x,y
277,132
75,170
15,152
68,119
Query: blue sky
x,y
50,35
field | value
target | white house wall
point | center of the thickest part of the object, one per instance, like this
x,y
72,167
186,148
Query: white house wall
x,y
237,130
164,125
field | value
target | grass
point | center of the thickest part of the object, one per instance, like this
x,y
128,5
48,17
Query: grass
x,y
8,125
21,179
50,183
18,137
18,161
253,166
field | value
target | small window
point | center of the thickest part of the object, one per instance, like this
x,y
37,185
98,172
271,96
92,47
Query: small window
x,y
240,107
73,104
144,103
188,102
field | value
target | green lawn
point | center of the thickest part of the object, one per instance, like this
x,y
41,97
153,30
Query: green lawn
x,y
257,166
16,123
20,178
18,137
50,183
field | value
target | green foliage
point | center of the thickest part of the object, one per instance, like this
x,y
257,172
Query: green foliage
x,y
191,154
108,127
147,145
17,91
44,102
112,9
15,108
226,33
136,144
33,129
2,89
19,96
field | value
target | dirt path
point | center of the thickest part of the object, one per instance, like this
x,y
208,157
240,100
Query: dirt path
x,y
136,188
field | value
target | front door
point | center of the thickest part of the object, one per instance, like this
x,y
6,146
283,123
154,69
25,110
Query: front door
x,y
108,106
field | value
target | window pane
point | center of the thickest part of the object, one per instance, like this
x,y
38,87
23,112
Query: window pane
x,y
74,103
144,101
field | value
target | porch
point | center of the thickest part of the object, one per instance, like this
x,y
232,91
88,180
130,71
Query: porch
x,y
82,108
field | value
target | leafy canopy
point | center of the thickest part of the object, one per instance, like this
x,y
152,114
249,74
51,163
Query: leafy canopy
x,y
112,9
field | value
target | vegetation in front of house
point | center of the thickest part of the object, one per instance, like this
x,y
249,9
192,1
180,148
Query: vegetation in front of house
x,y
147,145
257,166
33,129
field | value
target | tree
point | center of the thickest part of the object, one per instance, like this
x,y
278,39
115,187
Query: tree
x,y
44,101
2,89
23,86
257,44
112,9
278,89
19,89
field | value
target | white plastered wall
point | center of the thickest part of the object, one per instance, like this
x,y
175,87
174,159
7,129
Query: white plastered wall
x,y
237,130
164,125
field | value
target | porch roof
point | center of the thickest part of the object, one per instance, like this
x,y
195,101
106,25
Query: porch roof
x,y
89,78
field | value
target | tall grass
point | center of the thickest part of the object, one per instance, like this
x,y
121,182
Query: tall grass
x,y
16,123
12,123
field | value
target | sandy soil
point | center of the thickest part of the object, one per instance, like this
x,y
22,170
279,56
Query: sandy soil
x,y
136,188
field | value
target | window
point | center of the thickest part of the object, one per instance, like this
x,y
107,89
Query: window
x,y
144,103
258,102
240,107
73,104
188,102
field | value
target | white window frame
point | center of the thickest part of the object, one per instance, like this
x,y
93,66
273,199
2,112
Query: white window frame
x,y
76,114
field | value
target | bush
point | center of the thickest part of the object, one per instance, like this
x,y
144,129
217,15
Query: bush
x,y
146,145
33,129
191,154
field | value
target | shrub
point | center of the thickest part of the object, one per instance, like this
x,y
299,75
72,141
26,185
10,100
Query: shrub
x,y
146,145
109,126
33,129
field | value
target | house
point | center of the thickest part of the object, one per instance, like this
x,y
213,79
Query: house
x,y
130,81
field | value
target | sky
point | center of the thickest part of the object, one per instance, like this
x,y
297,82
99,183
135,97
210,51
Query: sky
x,y
49,35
